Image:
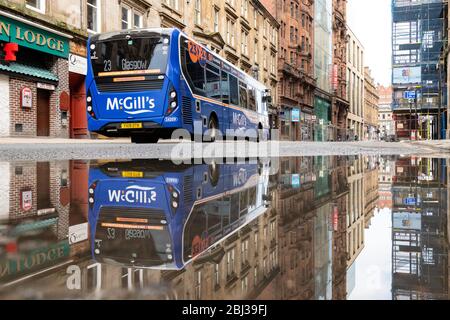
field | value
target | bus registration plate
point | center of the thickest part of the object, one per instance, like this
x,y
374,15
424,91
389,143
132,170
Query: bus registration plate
x,y
131,125
132,174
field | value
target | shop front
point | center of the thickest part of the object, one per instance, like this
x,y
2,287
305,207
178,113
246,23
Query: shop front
x,y
322,109
34,83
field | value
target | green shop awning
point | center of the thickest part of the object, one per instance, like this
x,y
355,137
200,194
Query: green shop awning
x,y
28,71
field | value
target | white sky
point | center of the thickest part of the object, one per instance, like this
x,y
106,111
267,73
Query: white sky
x,y
370,20
374,265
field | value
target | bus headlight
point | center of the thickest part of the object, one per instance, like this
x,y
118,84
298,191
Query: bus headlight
x,y
173,103
89,99
89,109
91,192
174,198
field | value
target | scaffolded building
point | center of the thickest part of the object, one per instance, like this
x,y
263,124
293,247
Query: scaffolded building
x,y
419,230
419,98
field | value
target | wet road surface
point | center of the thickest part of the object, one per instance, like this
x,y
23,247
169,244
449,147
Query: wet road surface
x,y
300,228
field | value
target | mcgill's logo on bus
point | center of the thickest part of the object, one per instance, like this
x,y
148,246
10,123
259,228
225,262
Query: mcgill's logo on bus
x,y
133,195
131,105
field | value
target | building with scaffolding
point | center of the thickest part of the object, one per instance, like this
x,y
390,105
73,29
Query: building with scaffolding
x,y
419,230
419,94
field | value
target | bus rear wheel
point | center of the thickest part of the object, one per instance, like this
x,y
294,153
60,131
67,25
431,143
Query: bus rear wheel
x,y
144,138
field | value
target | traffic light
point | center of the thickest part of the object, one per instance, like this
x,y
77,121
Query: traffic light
x,y
10,50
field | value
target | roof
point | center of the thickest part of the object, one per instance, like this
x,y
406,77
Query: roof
x,y
28,71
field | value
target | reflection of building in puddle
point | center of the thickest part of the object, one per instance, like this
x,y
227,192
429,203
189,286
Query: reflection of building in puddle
x,y
420,252
312,229
37,212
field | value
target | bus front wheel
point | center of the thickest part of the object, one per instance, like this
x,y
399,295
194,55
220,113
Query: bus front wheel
x,y
143,138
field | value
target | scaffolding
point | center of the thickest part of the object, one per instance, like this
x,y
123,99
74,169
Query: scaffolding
x,y
419,255
418,39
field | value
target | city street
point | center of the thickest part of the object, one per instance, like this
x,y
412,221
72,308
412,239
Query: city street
x,y
325,175
67,149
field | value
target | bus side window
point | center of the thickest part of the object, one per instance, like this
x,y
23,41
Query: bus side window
x,y
251,99
196,74
225,87
243,96
212,83
234,93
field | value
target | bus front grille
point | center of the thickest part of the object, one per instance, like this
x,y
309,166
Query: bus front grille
x,y
138,86
187,110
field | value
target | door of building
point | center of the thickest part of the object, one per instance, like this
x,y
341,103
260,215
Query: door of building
x,y
43,113
43,185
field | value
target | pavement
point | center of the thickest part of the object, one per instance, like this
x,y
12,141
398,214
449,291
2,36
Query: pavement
x,y
44,149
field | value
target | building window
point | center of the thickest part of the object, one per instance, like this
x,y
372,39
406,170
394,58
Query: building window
x,y
244,8
198,12
172,4
230,263
198,285
255,18
244,43
256,51
216,275
244,285
93,15
244,253
230,32
37,5
126,18
138,21
230,2
216,19
265,58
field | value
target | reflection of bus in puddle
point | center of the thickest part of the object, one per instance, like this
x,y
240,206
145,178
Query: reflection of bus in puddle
x,y
153,214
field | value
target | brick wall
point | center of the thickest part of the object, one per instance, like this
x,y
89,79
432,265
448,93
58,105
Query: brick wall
x,y
61,68
28,117
23,176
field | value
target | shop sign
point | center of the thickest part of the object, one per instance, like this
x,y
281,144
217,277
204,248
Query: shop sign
x,y
46,86
26,200
33,38
37,259
78,233
296,181
77,64
26,98
295,115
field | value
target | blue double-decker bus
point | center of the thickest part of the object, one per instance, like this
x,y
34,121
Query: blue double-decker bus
x,y
147,83
153,214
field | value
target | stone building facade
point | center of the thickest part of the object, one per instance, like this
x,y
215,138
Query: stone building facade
x,y
296,69
242,31
385,114
340,105
371,102
355,79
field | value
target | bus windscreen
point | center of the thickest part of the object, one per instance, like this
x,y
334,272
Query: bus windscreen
x,y
148,55
150,244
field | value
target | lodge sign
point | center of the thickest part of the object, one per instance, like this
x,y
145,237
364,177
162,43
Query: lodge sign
x,y
33,38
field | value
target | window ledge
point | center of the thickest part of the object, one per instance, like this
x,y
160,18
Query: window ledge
x,y
41,11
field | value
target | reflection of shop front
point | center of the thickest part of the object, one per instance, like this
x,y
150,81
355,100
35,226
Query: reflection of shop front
x,y
34,89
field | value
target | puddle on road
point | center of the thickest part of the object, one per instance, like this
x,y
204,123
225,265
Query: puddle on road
x,y
288,228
